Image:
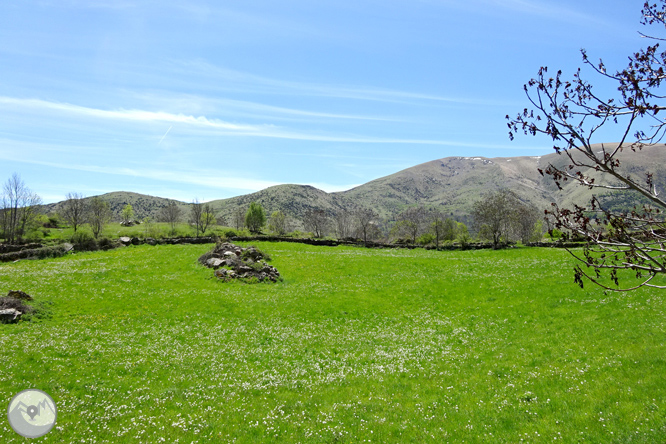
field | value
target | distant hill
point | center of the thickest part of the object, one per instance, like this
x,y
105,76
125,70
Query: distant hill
x,y
142,204
293,200
453,184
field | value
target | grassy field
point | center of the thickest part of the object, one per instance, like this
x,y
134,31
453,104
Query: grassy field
x,y
355,345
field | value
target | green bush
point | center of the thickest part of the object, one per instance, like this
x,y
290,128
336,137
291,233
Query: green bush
x,y
230,232
33,236
84,241
53,222
555,234
49,252
105,243
40,310
464,238
426,239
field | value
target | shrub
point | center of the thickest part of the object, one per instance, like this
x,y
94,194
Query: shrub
x,y
33,253
83,241
555,234
426,239
230,232
52,222
33,236
40,310
464,239
49,252
105,243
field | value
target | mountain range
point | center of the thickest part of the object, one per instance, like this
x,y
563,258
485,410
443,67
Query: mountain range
x,y
452,184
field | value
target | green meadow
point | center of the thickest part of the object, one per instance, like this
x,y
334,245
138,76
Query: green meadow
x,y
142,344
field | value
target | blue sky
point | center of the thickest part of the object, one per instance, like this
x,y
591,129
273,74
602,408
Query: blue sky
x,y
213,99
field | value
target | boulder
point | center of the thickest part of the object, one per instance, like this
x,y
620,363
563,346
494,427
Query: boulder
x,y
223,273
20,295
125,240
9,315
215,263
12,308
244,269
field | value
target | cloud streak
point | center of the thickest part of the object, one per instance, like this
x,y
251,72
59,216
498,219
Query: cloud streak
x,y
220,127
200,177
130,115
552,10
260,84
165,134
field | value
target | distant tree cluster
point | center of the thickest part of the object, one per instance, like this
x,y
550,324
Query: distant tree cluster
x,y
18,209
171,214
418,225
501,217
411,223
414,225
202,216
316,221
359,223
127,214
74,210
278,223
255,218
99,214
95,211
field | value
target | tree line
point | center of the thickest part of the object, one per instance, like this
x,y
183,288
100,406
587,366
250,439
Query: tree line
x,y
499,217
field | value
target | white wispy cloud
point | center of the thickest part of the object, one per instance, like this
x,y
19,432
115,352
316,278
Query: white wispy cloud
x,y
200,177
272,111
244,108
234,80
210,179
131,114
221,127
554,10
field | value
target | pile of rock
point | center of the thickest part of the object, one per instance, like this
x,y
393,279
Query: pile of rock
x,y
12,306
130,223
126,241
233,262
